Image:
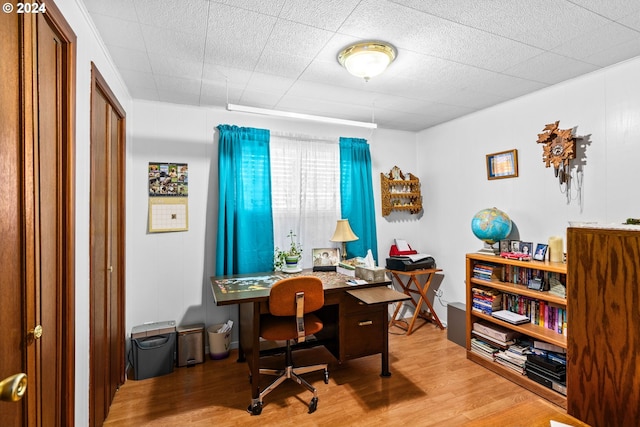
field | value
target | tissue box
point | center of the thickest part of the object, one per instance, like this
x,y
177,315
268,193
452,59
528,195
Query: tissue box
x,y
374,274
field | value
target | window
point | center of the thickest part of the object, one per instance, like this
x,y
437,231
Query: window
x,y
305,190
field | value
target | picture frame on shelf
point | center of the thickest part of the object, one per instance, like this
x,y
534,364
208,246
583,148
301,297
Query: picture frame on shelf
x,y
505,245
503,164
541,252
526,248
515,245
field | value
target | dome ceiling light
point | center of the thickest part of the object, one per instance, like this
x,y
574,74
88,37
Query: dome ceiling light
x,y
367,59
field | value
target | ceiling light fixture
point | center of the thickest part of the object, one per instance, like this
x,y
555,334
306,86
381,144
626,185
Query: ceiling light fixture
x,y
288,114
367,59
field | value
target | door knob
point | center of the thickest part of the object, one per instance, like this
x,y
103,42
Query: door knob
x,y
36,332
13,388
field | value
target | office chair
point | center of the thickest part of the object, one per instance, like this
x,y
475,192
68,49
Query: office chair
x,y
291,302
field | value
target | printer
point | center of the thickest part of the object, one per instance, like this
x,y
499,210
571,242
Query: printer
x,y
410,262
402,257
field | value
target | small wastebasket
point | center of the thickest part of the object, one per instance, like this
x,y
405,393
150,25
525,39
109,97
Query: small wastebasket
x,y
190,344
218,342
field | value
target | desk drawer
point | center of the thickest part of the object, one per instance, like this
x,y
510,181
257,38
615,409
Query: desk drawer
x,y
351,305
363,332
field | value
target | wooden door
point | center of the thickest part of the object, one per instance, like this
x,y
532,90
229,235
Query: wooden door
x,y
37,218
107,247
12,279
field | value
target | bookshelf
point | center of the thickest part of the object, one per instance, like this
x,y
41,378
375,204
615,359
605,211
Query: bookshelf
x,y
534,331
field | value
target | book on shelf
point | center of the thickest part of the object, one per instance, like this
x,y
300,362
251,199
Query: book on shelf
x,y
510,317
486,300
492,341
542,313
483,349
496,332
520,348
505,359
487,271
543,345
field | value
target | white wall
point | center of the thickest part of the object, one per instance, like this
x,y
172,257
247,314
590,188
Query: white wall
x,y
603,107
89,49
168,273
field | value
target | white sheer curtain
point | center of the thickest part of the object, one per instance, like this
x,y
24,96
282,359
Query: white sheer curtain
x,y
305,190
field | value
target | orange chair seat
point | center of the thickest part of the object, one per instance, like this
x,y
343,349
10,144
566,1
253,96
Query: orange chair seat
x,y
276,328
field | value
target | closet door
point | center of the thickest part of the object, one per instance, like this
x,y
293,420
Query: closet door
x,y
107,248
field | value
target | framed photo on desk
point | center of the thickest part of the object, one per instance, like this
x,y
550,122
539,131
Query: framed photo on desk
x,y
325,259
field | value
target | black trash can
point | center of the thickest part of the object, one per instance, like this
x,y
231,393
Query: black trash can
x,y
153,347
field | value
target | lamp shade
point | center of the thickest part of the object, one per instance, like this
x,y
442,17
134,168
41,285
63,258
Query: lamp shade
x,y
343,232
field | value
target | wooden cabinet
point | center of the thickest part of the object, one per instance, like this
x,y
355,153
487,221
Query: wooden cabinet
x,y
534,331
603,372
400,192
363,328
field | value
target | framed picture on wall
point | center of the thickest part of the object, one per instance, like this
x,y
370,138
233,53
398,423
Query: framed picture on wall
x,y
502,165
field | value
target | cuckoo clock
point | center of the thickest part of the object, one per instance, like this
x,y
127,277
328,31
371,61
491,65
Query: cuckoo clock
x,y
559,149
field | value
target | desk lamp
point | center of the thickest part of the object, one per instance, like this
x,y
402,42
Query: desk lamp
x,y
343,234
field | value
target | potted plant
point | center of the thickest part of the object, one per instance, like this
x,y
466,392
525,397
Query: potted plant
x,y
288,259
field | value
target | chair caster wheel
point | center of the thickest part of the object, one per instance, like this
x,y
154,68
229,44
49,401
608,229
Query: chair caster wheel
x,y
326,376
255,409
313,405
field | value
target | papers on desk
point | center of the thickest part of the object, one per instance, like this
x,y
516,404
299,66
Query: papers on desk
x,y
354,282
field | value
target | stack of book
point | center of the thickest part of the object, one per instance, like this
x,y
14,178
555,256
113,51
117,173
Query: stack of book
x,y
486,300
487,271
494,335
514,357
483,349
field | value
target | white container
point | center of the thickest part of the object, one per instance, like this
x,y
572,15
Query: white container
x,y
218,342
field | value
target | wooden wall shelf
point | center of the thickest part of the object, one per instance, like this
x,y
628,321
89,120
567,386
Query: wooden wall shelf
x,y
400,192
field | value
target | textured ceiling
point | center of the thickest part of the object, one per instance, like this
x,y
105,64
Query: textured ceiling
x,y
454,56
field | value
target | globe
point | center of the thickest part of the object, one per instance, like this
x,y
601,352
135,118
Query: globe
x,y
491,225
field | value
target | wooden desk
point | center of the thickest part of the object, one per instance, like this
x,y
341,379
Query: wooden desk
x,y
354,317
421,291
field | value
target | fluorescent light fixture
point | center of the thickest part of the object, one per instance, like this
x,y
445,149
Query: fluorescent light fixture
x,y
288,114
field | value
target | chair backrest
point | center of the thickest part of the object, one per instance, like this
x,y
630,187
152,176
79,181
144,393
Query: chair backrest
x,y
282,298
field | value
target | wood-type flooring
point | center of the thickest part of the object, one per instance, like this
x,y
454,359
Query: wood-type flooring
x,y
432,384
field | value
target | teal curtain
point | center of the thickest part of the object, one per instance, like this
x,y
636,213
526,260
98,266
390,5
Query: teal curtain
x,y
245,221
356,190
